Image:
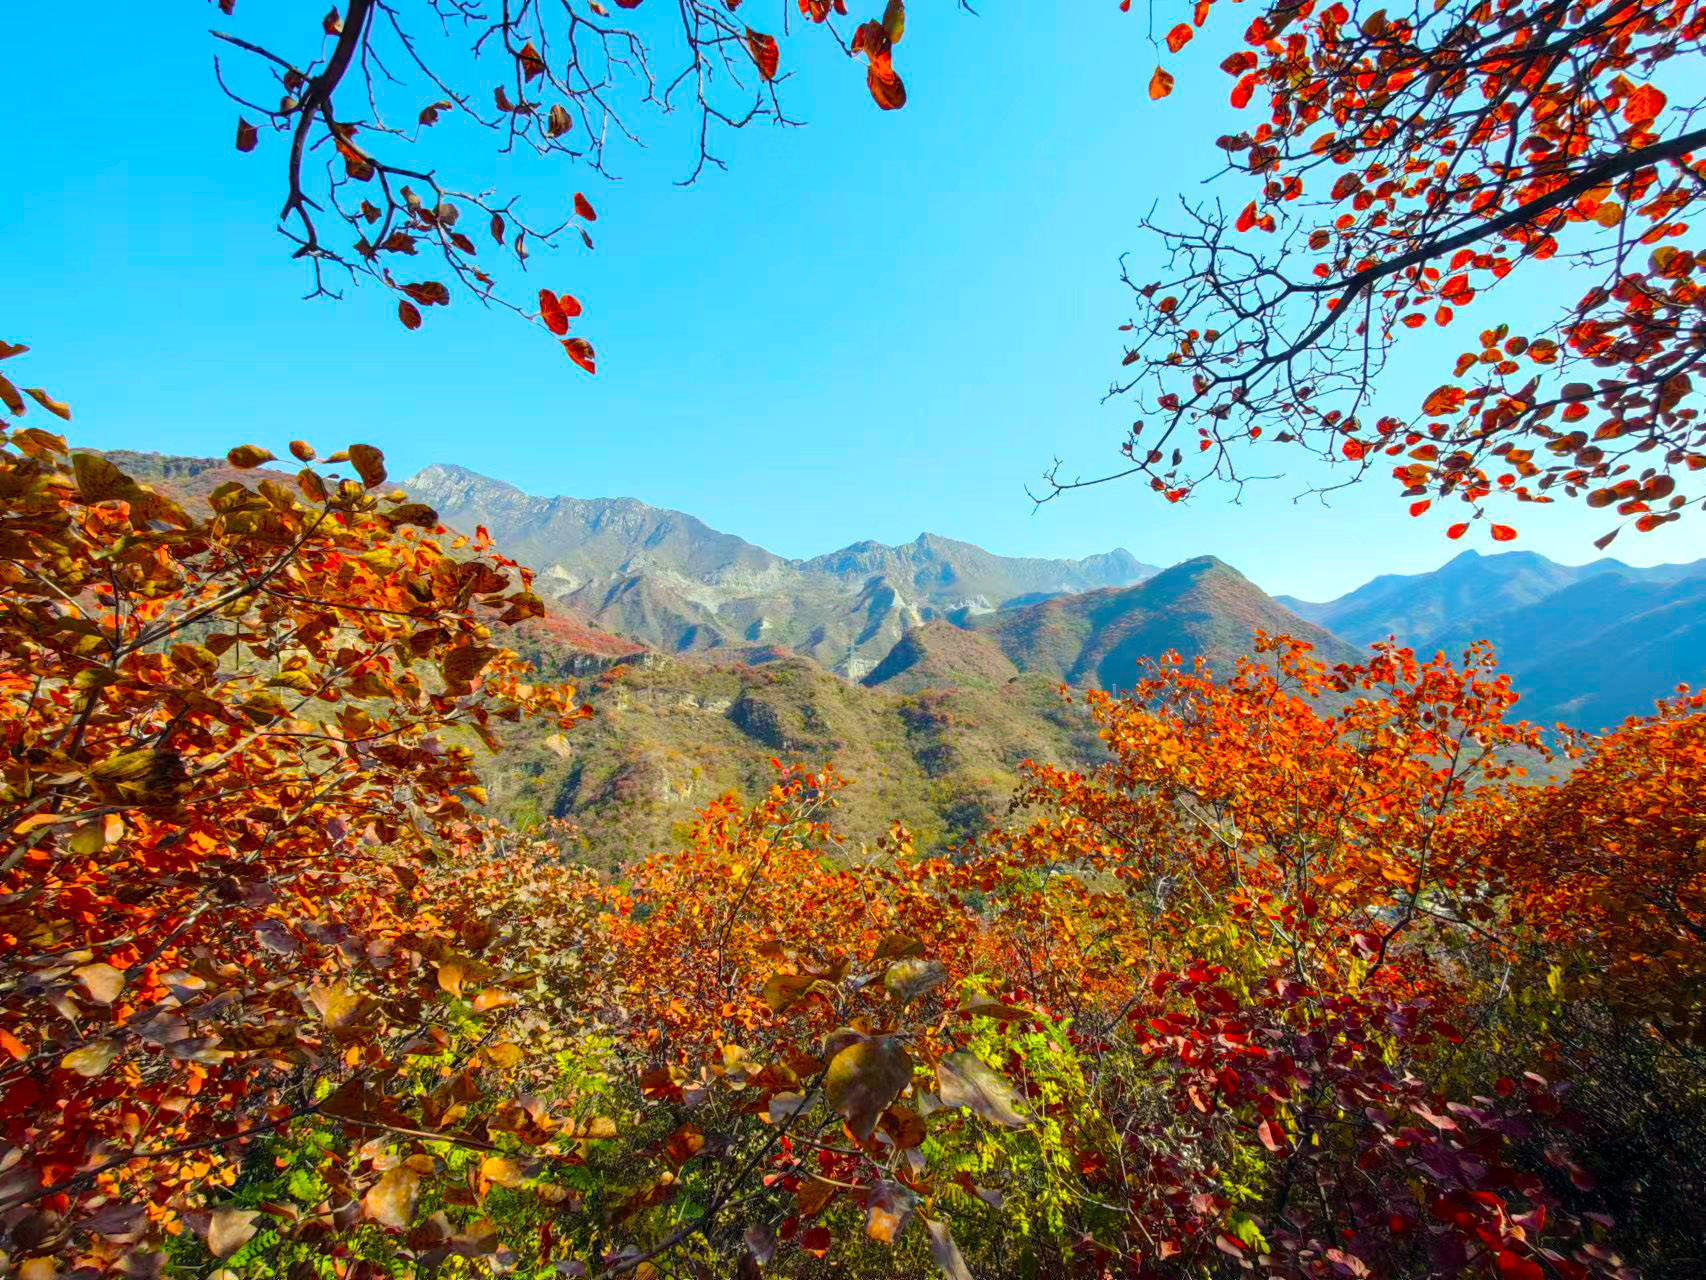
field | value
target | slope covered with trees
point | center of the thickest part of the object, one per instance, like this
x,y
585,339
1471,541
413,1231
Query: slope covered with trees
x,y
1299,980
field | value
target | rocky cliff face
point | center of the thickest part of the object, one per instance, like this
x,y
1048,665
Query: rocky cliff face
x,y
668,580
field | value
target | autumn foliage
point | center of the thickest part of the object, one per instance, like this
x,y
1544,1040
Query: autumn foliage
x,y
1399,164
370,84
1304,981
1282,988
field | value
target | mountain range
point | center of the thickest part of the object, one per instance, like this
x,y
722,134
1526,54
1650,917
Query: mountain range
x,y
928,672
1584,644
671,582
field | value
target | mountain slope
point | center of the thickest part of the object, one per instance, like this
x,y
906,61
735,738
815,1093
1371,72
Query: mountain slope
x,y
1584,644
668,735
1461,594
1601,649
670,581
1098,638
938,655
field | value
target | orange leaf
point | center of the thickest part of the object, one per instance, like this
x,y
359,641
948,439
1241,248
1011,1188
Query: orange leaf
x,y
1161,83
1643,105
1457,531
57,408
1443,400
1503,533
1179,37
886,88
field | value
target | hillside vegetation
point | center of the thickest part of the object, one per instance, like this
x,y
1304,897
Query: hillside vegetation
x,y
668,735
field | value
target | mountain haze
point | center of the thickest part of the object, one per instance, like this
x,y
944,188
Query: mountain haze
x,y
1584,644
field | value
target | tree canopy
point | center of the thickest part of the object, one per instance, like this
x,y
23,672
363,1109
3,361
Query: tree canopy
x,y
1401,163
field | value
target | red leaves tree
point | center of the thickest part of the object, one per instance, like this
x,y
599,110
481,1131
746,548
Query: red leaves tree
x,y
1404,162
269,993
239,748
367,86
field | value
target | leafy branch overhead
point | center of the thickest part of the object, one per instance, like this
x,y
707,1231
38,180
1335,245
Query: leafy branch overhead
x,y
350,114
1404,163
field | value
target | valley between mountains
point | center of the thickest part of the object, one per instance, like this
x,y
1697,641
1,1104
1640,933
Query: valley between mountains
x,y
929,672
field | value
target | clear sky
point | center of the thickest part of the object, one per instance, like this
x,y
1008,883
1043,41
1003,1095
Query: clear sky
x,y
869,327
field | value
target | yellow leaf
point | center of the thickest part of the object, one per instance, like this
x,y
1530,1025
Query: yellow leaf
x,y
91,1059
502,1170
391,1201
47,402
245,456
451,976
369,464
229,1230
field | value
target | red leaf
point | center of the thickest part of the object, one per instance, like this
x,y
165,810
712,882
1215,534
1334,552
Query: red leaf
x,y
1457,531
1179,37
408,313
584,208
332,24
580,351
551,312
765,54
1416,508
1503,533
532,65
571,307
1513,1267
246,135
1161,83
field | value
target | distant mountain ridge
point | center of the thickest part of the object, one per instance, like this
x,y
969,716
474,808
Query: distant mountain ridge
x,y
1586,644
669,580
1461,593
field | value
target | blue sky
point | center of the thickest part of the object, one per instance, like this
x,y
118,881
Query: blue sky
x,y
872,326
